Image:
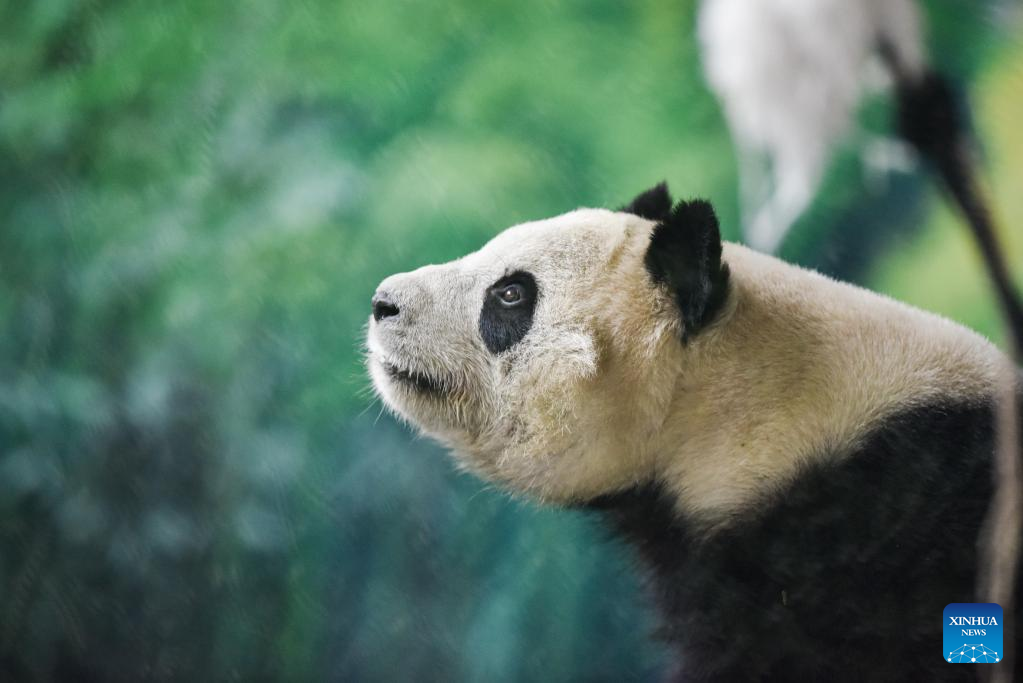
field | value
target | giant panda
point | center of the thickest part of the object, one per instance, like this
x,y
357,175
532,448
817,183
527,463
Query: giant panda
x,y
802,466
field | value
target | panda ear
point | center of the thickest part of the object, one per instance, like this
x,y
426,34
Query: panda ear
x,y
684,255
653,205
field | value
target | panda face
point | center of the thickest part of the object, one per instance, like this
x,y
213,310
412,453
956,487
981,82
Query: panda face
x,y
542,356
505,354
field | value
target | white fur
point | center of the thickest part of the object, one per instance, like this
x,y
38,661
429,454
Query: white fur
x,y
602,394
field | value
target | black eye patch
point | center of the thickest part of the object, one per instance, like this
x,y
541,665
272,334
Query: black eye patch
x,y
507,312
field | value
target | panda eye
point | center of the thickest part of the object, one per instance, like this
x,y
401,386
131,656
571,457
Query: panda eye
x,y
507,312
511,294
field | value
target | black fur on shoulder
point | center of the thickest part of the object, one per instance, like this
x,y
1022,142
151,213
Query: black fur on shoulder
x,y
653,205
840,576
685,256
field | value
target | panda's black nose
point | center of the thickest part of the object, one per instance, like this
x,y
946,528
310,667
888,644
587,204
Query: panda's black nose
x,y
383,306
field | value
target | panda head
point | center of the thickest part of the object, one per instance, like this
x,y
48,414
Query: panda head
x,y
542,358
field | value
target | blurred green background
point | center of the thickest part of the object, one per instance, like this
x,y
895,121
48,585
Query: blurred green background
x,y
198,199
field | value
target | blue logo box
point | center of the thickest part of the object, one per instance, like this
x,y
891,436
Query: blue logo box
x,y
972,633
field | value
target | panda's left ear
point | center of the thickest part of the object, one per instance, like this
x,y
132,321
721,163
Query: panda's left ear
x,y
684,255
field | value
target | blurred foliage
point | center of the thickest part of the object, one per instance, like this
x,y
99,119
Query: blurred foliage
x,y
198,200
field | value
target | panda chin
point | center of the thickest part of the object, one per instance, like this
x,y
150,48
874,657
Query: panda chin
x,y
413,380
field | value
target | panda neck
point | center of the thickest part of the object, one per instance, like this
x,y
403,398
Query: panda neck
x,y
799,369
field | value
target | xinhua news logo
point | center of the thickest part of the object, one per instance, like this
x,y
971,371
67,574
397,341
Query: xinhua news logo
x,y
972,633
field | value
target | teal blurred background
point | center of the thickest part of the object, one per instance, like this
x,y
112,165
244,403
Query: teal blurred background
x,y
197,201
